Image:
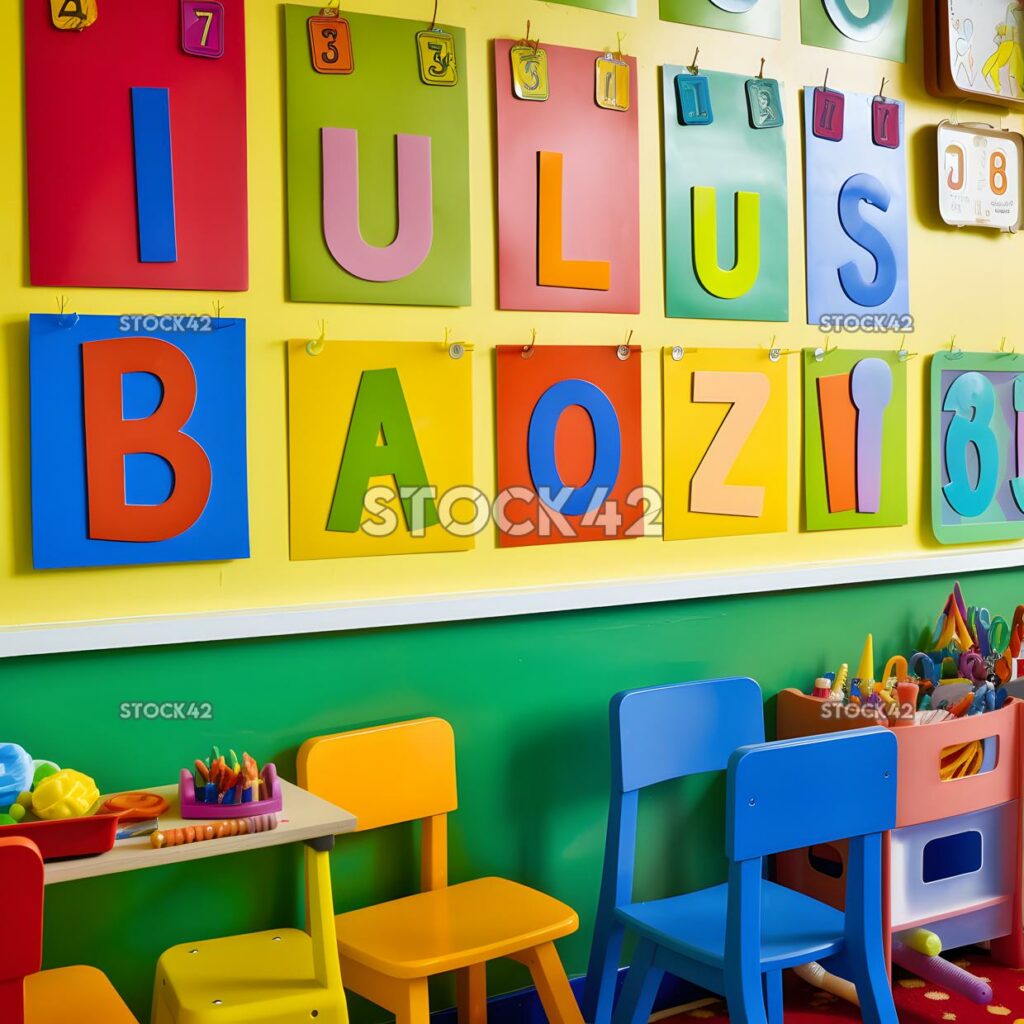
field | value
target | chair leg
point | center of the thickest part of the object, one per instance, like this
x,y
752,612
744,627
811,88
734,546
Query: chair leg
x,y
641,987
552,983
875,994
773,996
603,970
412,1003
471,994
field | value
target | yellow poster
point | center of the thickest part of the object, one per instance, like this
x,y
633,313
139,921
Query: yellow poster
x,y
380,441
725,441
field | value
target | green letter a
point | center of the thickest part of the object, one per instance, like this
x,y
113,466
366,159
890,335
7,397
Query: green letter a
x,y
380,410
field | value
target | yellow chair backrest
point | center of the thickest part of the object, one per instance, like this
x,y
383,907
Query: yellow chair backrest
x,y
386,774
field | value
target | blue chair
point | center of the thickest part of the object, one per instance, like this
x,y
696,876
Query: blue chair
x,y
658,733
737,938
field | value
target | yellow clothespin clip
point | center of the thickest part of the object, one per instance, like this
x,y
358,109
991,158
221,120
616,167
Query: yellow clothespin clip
x,y
457,349
820,353
901,353
314,348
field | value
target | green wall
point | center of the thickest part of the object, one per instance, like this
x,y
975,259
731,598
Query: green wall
x,y
528,698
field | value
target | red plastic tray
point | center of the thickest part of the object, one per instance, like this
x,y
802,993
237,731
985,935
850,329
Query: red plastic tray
x,y
69,837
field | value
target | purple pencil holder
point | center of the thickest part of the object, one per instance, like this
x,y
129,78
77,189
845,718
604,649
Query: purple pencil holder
x,y
193,808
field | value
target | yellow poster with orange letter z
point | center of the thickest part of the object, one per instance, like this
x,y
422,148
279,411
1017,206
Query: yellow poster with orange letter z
x,y
380,442
725,441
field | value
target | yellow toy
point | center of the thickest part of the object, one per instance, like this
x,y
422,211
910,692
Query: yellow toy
x,y
65,794
866,668
840,683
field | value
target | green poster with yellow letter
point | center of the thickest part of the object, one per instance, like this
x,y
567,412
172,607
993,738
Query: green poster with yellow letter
x,y
726,222
608,6
876,28
752,17
378,160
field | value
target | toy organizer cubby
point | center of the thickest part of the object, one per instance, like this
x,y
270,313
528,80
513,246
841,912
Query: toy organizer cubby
x,y
953,863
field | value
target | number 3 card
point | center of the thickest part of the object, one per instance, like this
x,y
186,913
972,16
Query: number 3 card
x,y
977,447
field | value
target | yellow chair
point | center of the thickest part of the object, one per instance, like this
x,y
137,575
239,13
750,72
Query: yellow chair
x,y
27,995
278,977
406,772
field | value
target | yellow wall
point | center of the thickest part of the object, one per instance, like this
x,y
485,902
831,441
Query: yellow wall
x,y
961,282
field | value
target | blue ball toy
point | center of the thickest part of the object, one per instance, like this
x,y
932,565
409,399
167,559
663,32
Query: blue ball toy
x,y
15,772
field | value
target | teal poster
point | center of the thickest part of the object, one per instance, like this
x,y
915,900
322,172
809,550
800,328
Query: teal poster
x,y
726,220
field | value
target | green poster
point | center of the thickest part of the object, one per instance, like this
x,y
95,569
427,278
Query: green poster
x,y
855,439
753,17
353,234
608,6
726,221
876,28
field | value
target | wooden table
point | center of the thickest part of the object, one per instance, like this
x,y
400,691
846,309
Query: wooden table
x,y
304,817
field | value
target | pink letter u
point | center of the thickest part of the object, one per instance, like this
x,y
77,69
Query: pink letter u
x,y
415,232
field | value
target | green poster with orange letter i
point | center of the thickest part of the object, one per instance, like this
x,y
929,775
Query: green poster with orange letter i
x,y
726,221
378,160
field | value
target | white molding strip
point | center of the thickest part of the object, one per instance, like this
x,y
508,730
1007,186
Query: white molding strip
x,y
150,631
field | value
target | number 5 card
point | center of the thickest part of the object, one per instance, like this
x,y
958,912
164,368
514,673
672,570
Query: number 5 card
x,y
726,437
977,447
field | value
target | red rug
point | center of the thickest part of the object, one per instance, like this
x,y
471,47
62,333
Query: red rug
x,y
917,1002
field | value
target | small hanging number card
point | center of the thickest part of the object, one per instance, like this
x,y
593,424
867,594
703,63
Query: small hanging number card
x,y
612,82
202,28
885,123
694,98
73,14
829,110
530,72
436,50
764,103
330,40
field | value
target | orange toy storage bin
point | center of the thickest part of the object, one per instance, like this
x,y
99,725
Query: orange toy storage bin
x,y
929,808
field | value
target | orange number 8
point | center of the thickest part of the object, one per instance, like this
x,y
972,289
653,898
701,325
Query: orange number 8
x,y
997,172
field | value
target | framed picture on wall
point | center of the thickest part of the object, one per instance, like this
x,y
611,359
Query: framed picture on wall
x,y
973,50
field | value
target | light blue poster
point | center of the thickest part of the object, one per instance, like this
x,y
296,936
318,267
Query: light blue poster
x,y
856,194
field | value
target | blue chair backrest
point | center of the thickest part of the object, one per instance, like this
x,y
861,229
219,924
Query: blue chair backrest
x,y
799,793
666,732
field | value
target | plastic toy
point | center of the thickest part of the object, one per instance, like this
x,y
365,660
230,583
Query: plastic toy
x,y
942,972
218,830
15,772
64,794
136,806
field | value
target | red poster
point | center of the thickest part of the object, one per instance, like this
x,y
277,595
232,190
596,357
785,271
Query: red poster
x,y
568,189
136,150
570,461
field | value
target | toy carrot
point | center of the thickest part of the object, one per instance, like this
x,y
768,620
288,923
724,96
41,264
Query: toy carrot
x,y
215,830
